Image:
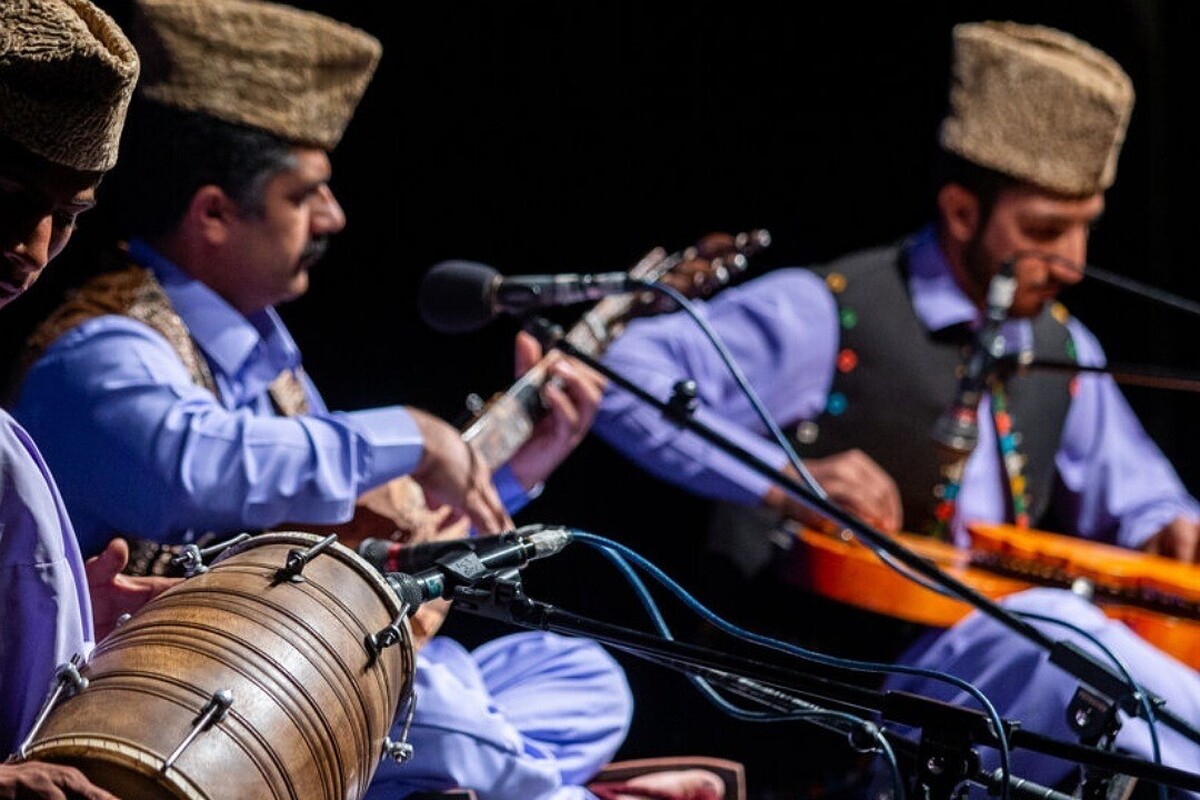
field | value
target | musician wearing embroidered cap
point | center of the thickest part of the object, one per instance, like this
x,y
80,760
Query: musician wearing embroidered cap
x,y
68,73
176,370
858,360
66,76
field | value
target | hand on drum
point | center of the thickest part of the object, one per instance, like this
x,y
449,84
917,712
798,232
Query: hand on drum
x,y
38,779
114,593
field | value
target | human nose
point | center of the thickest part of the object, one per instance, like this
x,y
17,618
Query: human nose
x,y
30,245
329,216
1071,256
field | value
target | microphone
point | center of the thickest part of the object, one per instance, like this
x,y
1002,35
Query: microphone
x,y
957,429
462,296
467,566
388,556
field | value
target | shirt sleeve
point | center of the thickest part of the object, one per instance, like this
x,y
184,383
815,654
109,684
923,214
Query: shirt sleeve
x,y
512,493
134,443
1117,485
781,332
43,588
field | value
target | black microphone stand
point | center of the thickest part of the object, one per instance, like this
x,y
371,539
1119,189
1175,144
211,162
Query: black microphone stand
x,y
1150,376
944,756
1068,656
1133,375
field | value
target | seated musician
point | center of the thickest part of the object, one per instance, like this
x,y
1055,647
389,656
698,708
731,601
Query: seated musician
x,y
66,75
856,361
189,411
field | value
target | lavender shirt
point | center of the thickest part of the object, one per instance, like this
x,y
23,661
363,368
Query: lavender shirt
x,y
138,447
43,588
160,457
782,331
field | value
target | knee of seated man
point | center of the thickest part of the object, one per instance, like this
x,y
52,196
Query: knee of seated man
x,y
569,659
1059,604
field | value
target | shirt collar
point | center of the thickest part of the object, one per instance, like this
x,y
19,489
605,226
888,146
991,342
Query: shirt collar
x,y
936,296
939,301
227,337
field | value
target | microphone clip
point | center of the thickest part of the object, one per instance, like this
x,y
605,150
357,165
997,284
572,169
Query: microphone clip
x,y
957,429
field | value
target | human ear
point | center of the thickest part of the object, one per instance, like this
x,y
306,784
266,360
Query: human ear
x,y
959,209
210,212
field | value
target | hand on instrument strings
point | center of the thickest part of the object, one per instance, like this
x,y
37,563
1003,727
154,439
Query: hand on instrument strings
x,y
853,482
453,474
571,402
114,593
37,779
1180,540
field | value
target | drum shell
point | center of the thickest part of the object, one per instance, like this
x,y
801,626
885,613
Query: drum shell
x,y
312,704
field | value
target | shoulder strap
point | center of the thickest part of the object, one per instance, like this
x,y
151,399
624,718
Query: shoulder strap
x,y
131,291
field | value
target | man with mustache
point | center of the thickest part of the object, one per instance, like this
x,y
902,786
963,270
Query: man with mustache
x,y
857,361
178,405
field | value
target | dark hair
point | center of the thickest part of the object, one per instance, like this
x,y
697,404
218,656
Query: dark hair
x,y
986,184
167,154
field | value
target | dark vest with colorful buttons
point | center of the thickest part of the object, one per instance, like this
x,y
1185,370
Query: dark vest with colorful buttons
x,y
893,378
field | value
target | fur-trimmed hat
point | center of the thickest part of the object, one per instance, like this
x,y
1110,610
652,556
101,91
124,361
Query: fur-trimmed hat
x,y
294,73
66,75
1038,105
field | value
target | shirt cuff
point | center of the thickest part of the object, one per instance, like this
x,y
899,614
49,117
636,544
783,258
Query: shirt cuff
x,y
511,492
394,444
1137,529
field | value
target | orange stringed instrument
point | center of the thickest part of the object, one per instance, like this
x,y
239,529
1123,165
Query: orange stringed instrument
x,y
1157,597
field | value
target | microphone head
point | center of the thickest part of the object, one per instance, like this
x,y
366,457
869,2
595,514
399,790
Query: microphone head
x,y
456,296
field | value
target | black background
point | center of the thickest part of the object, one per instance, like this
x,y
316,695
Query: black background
x,y
573,137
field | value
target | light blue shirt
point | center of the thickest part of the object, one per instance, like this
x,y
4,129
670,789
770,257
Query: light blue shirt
x,y
141,449
782,331
43,587
138,448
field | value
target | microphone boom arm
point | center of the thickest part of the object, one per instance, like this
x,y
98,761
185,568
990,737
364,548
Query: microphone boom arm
x,y
679,409
1153,377
506,601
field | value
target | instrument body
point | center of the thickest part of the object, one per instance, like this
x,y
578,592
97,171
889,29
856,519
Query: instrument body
x,y
310,703
1157,597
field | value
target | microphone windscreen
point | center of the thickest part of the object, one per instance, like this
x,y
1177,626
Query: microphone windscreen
x,y
456,296
375,553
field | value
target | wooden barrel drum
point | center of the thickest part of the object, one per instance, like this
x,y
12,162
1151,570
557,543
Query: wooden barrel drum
x,y
250,680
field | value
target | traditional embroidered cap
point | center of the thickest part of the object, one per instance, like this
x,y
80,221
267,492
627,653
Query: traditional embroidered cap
x,y
294,73
66,75
1038,105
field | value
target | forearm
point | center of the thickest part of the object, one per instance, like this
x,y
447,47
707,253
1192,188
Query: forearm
x,y
133,442
1116,484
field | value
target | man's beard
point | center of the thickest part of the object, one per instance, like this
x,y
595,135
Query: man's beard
x,y
978,267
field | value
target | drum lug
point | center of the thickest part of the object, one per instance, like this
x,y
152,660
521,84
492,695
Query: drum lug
x,y
391,635
401,751
66,679
213,712
191,558
297,559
